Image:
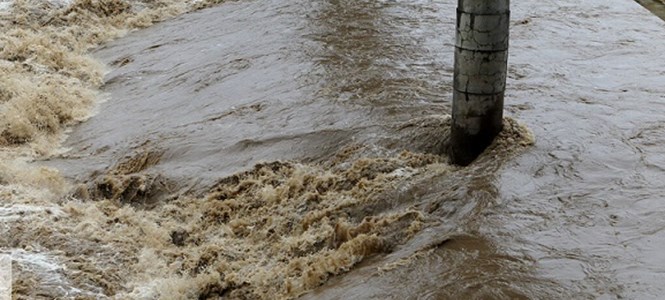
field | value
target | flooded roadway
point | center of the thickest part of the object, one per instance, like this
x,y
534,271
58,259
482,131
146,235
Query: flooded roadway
x,y
579,214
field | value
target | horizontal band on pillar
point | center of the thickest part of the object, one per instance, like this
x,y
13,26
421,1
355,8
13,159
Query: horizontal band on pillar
x,y
480,50
485,85
483,6
477,99
484,14
479,95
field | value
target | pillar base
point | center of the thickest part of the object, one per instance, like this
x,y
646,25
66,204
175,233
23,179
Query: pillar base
x,y
477,120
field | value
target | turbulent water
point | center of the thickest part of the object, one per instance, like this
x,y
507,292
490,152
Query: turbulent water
x,y
282,149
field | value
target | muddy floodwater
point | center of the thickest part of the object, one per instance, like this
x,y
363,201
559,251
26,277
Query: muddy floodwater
x,y
284,149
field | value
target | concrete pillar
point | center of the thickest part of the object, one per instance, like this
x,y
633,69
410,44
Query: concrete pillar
x,y
481,58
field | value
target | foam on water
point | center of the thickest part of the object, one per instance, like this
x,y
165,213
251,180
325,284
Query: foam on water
x,y
48,83
15,212
42,272
5,5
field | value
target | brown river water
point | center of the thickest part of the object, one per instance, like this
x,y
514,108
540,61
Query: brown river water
x,y
293,149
